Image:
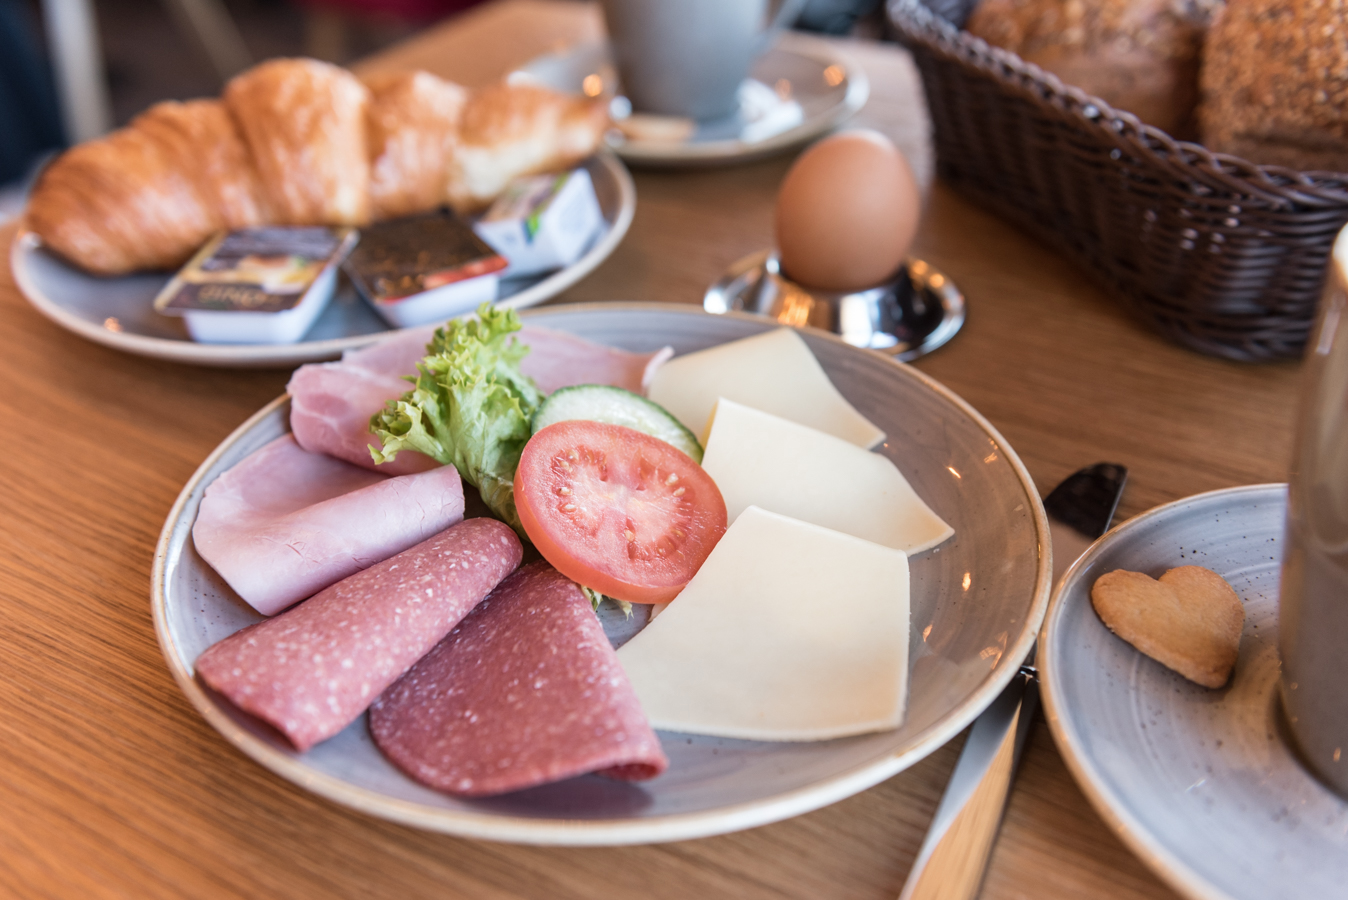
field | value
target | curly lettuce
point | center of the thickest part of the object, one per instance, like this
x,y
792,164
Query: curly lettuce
x,y
469,407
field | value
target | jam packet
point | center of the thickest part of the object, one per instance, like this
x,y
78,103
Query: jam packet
x,y
263,285
421,268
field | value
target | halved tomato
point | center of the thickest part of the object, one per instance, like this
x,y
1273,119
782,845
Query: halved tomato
x,y
616,510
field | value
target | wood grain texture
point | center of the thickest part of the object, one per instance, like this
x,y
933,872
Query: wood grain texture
x,y
112,786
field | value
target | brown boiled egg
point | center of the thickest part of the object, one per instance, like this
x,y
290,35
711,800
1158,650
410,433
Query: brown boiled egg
x,y
847,213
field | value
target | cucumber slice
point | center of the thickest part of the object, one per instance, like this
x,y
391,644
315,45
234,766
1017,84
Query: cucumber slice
x,y
616,406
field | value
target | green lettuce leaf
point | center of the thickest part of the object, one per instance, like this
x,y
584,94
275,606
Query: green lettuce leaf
x,y
470,407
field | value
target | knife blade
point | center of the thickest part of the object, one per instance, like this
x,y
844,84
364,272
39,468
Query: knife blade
x,y
954,855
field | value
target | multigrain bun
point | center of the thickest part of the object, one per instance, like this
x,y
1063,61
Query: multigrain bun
x,y
1141,56
1275,84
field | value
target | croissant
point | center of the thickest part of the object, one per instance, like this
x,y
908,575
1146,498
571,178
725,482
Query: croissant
x,y
413,129
299,142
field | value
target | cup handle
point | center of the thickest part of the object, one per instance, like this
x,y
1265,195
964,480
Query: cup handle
x,y
786,15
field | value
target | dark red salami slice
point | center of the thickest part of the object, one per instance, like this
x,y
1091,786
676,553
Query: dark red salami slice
x,y
525,691
315,668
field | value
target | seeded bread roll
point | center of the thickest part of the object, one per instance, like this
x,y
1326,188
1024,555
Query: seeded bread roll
x,y
1141,56
1275,84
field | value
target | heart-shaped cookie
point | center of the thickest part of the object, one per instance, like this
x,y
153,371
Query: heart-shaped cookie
x,y
1190,620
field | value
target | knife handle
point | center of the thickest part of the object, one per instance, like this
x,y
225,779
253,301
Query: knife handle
x,y
954,856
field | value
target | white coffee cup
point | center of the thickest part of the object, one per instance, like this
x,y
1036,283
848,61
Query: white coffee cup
x,y
689,57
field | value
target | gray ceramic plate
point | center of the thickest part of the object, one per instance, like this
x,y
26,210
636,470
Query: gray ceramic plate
x,y
977,602
1199,783
119,312
829,87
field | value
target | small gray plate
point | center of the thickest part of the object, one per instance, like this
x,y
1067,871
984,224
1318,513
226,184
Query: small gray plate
x,y
119,312
976,604
1200,783
829,87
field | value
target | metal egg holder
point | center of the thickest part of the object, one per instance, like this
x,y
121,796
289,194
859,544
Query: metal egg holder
x,y
916,312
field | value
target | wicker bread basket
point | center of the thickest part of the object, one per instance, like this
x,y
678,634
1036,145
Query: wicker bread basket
x,y
1221,255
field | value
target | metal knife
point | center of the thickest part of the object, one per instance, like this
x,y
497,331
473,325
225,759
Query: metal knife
x,y
955,853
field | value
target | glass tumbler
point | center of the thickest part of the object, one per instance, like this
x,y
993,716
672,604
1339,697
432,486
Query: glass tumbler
x,y
1313,609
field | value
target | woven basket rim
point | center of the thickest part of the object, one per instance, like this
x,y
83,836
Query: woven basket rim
x,y
1276,186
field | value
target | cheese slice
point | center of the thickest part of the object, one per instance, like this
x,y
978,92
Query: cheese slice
x,y
758,459
788,632
774,371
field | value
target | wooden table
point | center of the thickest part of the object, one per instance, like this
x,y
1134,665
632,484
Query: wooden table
x,y
112,785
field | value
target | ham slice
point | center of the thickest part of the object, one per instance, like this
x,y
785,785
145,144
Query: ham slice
x,y
314,669
557,360
285,523
525,691
331,403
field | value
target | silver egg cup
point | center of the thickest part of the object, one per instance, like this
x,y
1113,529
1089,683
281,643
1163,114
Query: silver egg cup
x,y
912,314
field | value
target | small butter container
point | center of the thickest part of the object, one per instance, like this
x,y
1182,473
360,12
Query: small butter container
x,y
262,285
542,222
423,268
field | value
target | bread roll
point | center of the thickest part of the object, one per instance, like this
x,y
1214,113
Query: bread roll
x,y
509,130
413,127
1141,56
1275,84
304,124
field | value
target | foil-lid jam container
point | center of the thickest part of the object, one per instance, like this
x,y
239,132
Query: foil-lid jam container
x,y
262,285
418,269
543,222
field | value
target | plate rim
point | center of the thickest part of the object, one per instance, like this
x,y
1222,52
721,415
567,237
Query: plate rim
x,y
1167,865
26,241
608,832
734,150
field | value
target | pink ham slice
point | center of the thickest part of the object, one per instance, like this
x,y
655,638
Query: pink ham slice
x,y
285,523
331,403
525,691
314,669
557,360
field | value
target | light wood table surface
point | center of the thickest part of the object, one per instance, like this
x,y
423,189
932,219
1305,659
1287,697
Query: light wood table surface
x,y
111,785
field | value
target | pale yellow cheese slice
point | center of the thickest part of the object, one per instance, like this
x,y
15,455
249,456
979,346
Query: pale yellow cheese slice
x,y
788,632
758,459
775,372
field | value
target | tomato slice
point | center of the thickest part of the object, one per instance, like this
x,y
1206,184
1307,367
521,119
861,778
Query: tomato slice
x,y
617,510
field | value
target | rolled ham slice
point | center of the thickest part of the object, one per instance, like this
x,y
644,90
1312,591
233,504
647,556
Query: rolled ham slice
x,y
285,523
314,669
331,403
525,691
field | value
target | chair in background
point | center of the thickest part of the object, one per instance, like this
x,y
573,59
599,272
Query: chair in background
x,y
77,60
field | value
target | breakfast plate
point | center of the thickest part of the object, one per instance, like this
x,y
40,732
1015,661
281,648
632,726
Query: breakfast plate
x,y
976,604
799,88
119,312
1201,784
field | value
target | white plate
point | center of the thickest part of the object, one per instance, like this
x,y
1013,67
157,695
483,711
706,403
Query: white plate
x,y
977,602
1200,783
119,312
826,84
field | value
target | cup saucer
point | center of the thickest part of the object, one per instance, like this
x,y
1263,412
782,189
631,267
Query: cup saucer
x,y
798,89
1201,784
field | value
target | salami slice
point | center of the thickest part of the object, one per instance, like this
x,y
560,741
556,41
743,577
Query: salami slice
x,y
315,668
525,691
